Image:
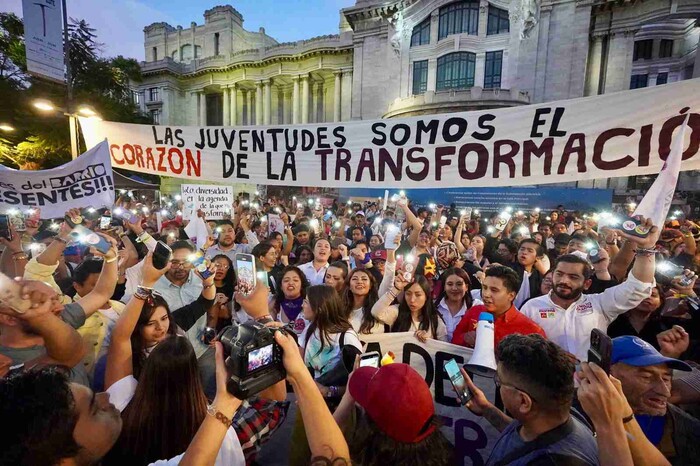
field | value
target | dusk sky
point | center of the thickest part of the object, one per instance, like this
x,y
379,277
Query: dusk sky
x,y
120,23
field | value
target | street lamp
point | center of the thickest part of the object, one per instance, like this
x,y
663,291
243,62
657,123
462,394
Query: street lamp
x,y
83,110
5,127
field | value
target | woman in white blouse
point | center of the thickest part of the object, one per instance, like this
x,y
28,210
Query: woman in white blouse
x,y
415,312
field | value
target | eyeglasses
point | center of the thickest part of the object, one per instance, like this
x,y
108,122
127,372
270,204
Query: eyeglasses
x,y
499,384
222,266
180,264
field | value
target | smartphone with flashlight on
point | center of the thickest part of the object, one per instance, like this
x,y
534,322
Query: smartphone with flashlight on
x,y
458,382
90,238
671,271
390,236
409,268
632,226
105,222
245,273
370,359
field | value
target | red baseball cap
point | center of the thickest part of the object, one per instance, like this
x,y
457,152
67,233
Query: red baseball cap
x,y
397,399
379,254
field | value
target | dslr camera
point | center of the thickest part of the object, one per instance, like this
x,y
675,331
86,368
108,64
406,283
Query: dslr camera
x,y
253,358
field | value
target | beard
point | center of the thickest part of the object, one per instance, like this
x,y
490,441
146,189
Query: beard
x,y
225,242
567,292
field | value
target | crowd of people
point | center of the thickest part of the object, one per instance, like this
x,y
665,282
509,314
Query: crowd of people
x,y
113,359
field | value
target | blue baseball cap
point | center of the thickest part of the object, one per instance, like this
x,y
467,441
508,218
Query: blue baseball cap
x,y
636,352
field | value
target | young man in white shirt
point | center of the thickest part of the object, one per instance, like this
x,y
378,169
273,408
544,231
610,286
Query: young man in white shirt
x,y
315,270
568,316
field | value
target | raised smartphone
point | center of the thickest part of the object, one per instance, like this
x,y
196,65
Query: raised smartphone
x,y
161,255
600,351
245,273
457,381
370,359
90,238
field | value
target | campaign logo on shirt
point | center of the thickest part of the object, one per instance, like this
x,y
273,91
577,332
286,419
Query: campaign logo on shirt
x,y
547,314
584,309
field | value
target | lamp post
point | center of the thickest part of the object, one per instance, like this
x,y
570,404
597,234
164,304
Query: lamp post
x,y
83,110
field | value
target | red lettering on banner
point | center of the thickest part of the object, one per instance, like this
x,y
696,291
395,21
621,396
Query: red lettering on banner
x,y
192,164
161,154
114,157
178,154
599,146
138,150
130,148
150,162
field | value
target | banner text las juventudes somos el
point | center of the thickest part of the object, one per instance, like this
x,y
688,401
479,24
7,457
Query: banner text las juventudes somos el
x,y
619,134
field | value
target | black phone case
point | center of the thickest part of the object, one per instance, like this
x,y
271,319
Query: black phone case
x,y
161,256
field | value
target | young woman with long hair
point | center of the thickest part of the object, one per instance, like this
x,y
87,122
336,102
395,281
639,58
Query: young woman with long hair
x,y
169,385
360,297
265,254
455,299
415,312
289,296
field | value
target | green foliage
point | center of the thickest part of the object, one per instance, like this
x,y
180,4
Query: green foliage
x,y
43,141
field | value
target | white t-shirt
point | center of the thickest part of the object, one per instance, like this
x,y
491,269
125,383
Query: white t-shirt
x,y
355,319
322,361
230,453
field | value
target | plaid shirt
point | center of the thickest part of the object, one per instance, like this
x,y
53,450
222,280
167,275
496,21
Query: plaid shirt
x,y
255,422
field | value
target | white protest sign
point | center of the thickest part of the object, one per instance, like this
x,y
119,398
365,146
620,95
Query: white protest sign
x,y
472,436
619,134
275,223
84,182
214,200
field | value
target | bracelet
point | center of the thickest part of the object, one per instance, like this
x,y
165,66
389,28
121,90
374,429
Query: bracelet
x,y
208,286
211,410
627,419
113,259
391,292
19,258
62,240
645,252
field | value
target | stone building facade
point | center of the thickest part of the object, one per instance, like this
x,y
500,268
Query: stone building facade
x,y
395,58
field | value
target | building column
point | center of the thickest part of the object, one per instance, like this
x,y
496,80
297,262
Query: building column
x,y
595,63
305,99
259,103
233,96
267,101
202,108
165,109
227,111
295,100
696,69
251,109
337,95
619,63
346,96
287,111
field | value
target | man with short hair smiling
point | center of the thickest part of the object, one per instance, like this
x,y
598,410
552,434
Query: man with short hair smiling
x,y
498,291
568,315
535,379
646,377
180,286
227,241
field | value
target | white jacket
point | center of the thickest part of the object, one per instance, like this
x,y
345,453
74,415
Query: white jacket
x,y
571,328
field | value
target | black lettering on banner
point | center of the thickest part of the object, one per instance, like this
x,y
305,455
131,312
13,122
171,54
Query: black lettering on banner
x,y
490,130
178,136
155,135
373,346
243,139
538,121
228,141
666,134
554,129
274,132
430,127
307,140
258,141
212,138
241,164
340,137
270,175
200,144
322,135
450,398
289,165
412,348
467,446
291,144
400,140
645,133
460,128
380,140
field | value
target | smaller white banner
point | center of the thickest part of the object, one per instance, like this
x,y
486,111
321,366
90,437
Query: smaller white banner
x,y
85,181
43,37
216,201
472,436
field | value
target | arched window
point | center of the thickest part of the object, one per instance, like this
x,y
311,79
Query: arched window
x,y
421,33
456,71
459,17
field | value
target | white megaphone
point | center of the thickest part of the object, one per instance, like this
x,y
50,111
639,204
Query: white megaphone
x,y
483,360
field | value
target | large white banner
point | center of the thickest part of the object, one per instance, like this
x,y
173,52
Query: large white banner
x,y
85,181
472,436
619,134
43,38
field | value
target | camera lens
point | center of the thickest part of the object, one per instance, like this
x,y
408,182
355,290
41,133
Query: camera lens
x,y
227,337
